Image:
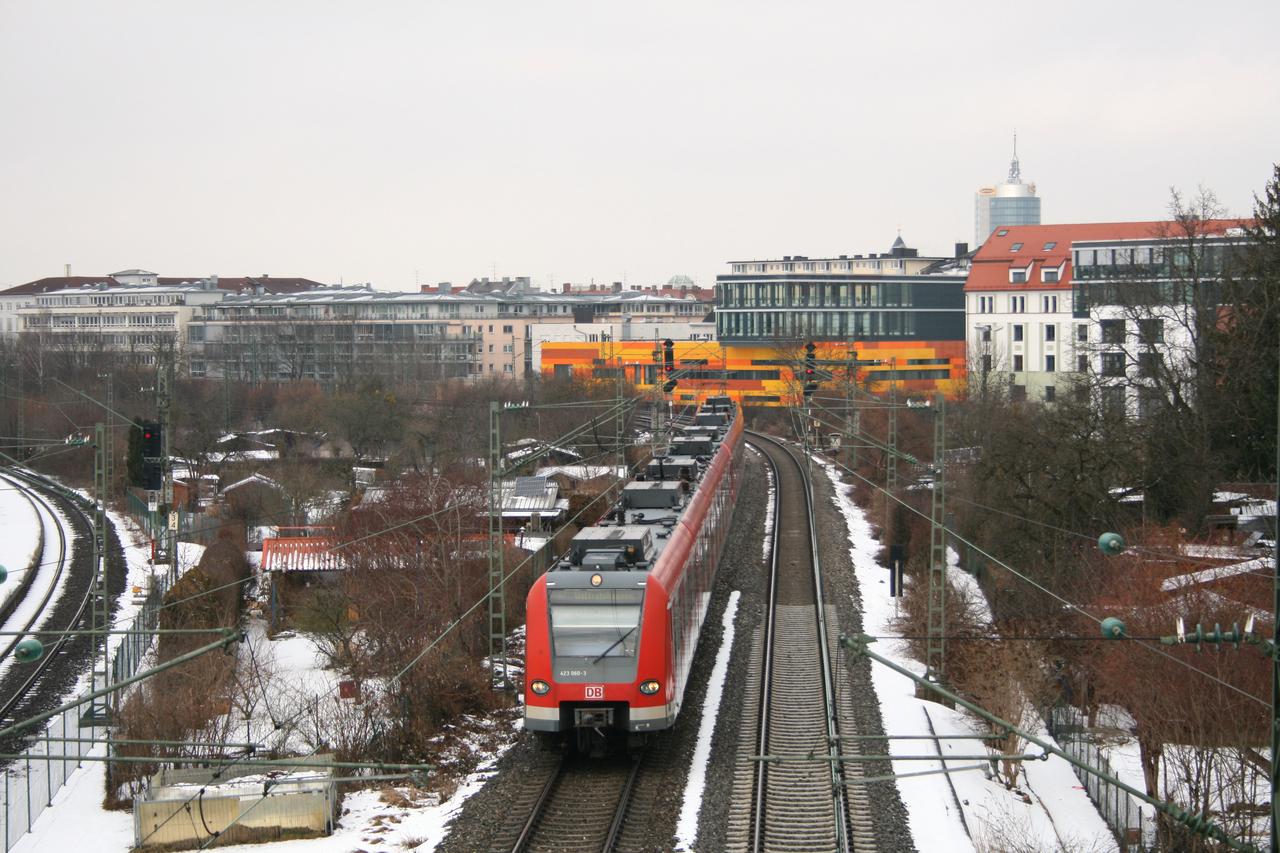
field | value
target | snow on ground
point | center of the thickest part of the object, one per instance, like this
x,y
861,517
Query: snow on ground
x,y
21,528
687,825
959,811
18,548
296,699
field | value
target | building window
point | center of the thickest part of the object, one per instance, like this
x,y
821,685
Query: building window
x,y
1049,275
1112,331
506,368
1017,364
506,330
508,348
491,329
1015,247
1048,246
1082,333
1048,394
1018,304
490,347
1150,401
986,304
1082,363
1002,232
1149,364
1113,401
1050,304
1050,333
1018,276
1151,331
1018,393
1050,364
1113,364
1017,333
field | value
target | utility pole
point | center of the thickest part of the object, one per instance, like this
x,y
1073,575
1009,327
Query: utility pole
x,y
619,425
935,654
167,530
98,715
22,418
497,585
891,461
1275,659
110,472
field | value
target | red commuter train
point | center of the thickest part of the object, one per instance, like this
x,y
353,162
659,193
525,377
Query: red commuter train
x,y
613,626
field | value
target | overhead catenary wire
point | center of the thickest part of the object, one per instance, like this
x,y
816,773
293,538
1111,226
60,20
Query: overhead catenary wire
x,y
1064,601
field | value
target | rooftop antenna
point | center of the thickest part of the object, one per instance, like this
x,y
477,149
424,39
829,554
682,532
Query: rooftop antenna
x,y
1015,171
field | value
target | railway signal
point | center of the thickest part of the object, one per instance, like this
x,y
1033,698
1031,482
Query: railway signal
x,y
669,365
152,442
810,374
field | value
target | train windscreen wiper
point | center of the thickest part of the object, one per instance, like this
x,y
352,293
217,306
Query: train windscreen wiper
x,y
630,631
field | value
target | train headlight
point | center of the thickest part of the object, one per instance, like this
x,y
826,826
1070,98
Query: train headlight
x,y
541,688
650,687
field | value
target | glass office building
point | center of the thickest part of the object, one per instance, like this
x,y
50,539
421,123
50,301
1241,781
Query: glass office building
x,y
788,307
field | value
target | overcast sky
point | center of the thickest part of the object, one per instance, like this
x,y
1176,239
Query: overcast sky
x,y
416,142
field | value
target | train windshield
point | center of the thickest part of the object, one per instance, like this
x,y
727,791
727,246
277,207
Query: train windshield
x,y
595,622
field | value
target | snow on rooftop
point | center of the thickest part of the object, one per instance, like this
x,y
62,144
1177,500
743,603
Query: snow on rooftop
x,y
1259,566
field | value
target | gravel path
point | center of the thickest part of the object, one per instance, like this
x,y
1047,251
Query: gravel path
x,y
742,568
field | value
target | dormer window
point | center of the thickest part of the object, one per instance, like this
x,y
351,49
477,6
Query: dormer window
x,y
1018,277
1015,247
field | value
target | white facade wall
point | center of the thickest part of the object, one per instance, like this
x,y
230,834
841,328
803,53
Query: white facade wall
x,y
1026,334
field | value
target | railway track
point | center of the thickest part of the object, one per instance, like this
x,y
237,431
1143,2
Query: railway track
x,y
804,803
578,806
26,689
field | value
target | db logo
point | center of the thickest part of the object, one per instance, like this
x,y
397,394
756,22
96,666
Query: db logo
x,y
595,691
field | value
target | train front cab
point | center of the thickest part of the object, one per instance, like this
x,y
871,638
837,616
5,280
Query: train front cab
x,y
605,667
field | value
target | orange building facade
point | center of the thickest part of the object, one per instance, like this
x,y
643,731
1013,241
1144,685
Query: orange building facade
x,y
764,374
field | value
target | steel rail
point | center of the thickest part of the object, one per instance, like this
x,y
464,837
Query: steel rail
x,y
623,802
523,838
839,805
828,673
762,740
30,572
52,651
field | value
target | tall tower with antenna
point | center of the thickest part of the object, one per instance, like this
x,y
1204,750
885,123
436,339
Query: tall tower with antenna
x,y
1010,203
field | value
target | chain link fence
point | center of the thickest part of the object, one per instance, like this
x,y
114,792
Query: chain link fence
x,y
31,782
1130,821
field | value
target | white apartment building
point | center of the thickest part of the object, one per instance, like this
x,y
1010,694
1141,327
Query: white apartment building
x,y
141,318
1044,308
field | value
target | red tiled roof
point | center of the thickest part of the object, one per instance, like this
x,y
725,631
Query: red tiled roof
x,y
299,554
992,262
